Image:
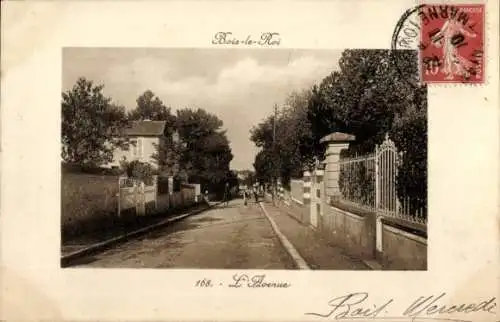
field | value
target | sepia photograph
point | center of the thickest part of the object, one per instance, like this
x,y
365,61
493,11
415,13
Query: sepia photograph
x,y
323,160
243,159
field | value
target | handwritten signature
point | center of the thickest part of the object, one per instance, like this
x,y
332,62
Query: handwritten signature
x,y
266,39
357,306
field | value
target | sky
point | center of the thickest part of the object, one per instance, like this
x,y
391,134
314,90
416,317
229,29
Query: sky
x,y
240,86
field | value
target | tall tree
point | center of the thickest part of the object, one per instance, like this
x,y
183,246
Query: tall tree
x,y
290,151
168,155
91,125
364,96
207,153
370,96
197,123
263,166
295,135
410,136
151,107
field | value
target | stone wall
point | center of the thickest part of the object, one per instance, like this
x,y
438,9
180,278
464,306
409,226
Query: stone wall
x,y
354,232
403,250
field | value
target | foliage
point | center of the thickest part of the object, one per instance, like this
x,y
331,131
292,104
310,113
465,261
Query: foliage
x,y
91,125
77,168
410,136
205,154
142,171
263,166
194,147
363,97
232,179
151,107
368,96
357,183
290,151
168,156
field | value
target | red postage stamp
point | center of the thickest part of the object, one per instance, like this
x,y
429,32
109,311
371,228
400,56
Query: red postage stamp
x,y
452,43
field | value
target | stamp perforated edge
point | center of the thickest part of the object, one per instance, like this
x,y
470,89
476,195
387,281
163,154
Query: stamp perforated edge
x,y
486,46
486,38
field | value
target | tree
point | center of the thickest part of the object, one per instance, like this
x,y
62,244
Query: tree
x,y
92,126
168,156
364,96
142,171
262,134
410,136
197,123
370,96
290,151
232,178
263,167
151,107
207,154
295,136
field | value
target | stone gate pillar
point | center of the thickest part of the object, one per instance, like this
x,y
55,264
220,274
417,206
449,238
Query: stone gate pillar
x,y
306,197
336,142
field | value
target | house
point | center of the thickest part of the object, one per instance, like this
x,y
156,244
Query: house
x,y
144,136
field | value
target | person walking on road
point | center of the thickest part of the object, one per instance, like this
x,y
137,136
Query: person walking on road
x,y
206,196
256,194
226,194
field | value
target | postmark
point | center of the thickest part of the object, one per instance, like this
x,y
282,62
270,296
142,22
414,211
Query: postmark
x,y
449,40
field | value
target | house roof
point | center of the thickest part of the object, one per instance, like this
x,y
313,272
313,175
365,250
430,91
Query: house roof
x,y
145,128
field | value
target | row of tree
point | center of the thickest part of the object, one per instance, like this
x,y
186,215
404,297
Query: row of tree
x,y
285,141
372,93
195,148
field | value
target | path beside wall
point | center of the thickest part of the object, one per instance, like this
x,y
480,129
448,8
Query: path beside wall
x,y
404,248
294,201
353,231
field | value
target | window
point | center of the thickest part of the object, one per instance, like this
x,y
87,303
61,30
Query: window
x,y
136,146
133,147
139,147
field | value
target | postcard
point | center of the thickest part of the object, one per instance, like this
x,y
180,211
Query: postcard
x,y
250,161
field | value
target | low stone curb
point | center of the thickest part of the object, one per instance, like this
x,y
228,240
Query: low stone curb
x,y
66,259
299,261
373,264
370,263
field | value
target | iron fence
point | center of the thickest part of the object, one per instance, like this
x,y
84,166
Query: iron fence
x,y
370,182
357,181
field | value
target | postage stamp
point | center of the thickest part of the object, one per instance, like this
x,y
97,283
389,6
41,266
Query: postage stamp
x,y
449,39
